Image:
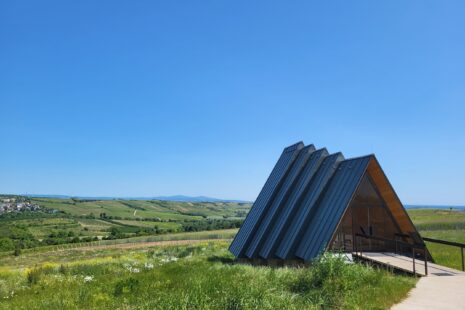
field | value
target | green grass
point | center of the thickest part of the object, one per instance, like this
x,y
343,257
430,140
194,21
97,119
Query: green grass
x,y
199,276
444,225
57,253
436,219
42,227
446,255
148,224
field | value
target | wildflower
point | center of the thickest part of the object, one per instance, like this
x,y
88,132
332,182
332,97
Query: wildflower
x,y
148,266
135,270
169,259
88,278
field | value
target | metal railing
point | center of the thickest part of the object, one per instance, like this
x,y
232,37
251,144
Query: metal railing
x,y
451,243
414,247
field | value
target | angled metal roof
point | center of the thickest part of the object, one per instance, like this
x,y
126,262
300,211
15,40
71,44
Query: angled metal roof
x,y
306,209
264,199
331,207
287,210
301,204
281,195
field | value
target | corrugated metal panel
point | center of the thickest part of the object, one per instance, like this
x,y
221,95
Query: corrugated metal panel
x,y
288,208
281,196
263,200
306,207
331,207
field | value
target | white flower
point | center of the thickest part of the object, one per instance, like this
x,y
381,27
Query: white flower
x,y
88,278
148,266
135,270
169,259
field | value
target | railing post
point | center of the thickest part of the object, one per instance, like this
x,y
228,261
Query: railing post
x,y
413,256
361,247
354,245
426,262
463,265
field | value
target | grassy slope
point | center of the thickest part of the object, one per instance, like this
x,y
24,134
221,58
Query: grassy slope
x,y
145,208
161,225
195,277
170,214
445,225
67,253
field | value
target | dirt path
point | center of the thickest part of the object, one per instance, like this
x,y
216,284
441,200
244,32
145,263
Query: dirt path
x,y
436,292
138,245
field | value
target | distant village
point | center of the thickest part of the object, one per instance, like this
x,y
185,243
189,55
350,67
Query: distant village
x,y
8,205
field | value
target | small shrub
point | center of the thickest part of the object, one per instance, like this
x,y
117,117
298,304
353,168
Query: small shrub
x,y
34,275
63,269
125,286
17,251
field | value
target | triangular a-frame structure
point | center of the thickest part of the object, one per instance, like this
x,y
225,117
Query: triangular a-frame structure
x,y
315,201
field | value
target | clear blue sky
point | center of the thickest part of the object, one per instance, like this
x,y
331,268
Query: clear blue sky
x,y
142,98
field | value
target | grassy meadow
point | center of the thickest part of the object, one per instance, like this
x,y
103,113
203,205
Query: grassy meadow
x,y
445,225
201,275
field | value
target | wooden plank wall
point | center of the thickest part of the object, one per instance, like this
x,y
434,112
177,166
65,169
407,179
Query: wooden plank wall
x,y
390,198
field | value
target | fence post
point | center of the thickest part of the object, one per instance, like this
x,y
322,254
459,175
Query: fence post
x,y
413,256
355,245
426,262
463,265
361,246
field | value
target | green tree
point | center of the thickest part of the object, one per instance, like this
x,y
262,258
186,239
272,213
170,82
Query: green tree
x,y
6,244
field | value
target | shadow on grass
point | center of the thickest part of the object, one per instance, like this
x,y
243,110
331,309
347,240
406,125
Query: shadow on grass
x,y
221,259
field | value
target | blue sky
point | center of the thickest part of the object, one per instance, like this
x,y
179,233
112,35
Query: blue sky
x,y
142,98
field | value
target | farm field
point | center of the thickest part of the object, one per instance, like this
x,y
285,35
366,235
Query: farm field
x,y
62,221
148,224
133,209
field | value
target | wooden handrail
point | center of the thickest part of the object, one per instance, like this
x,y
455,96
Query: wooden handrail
x,y
412,246
451,243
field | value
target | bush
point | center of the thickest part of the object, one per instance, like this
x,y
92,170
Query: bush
x,y
34,275
126,286
6,244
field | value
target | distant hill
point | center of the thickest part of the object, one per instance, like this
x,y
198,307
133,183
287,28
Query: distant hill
x,y
180,198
